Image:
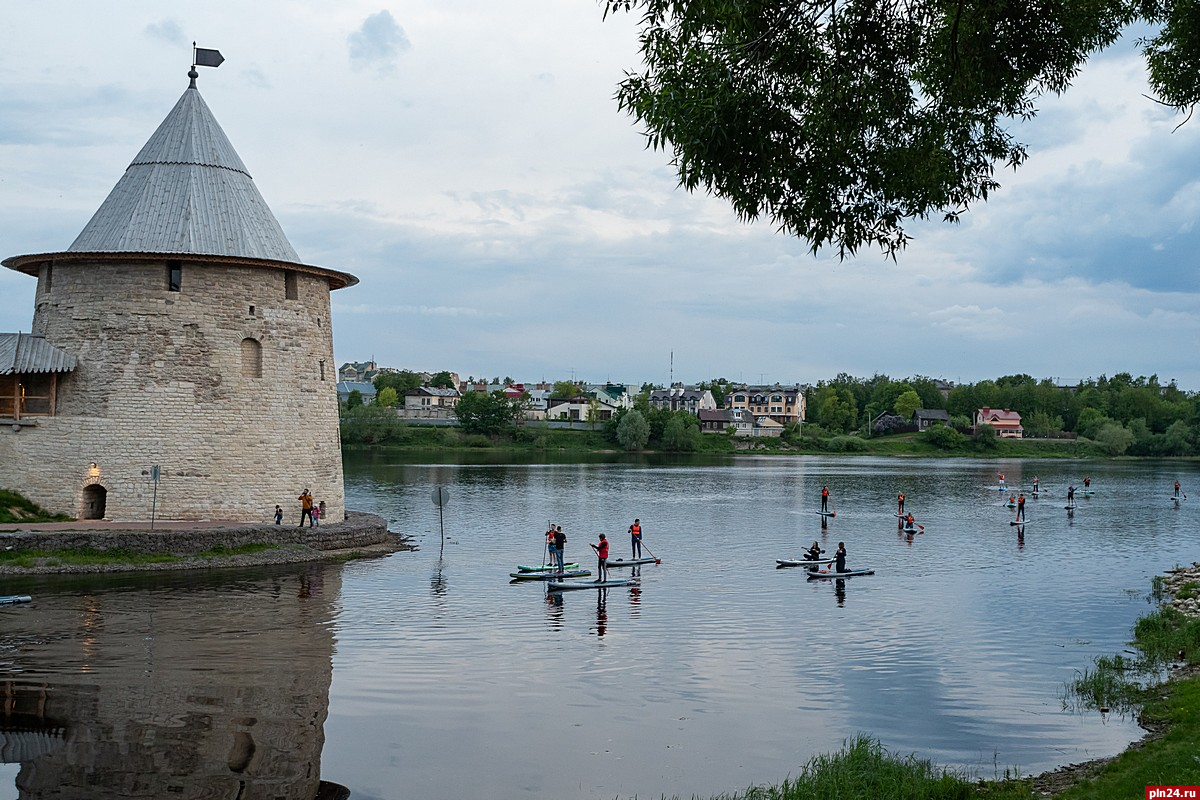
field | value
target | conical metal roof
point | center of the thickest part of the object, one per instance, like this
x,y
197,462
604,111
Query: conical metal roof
x,y
186,192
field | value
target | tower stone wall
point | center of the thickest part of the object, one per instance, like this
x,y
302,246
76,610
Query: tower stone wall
x,y
221,373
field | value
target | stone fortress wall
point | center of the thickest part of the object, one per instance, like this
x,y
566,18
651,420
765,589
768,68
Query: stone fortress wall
x,y
227,384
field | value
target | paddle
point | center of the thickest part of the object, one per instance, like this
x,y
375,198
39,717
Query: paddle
x,y
657,560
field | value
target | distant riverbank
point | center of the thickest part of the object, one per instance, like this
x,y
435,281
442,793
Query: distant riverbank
x,y
536,439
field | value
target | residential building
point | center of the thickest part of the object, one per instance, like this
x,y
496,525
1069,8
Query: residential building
x,y
1007,423
358,371
430,402
924,418
683,398
364,388
784,405
715,420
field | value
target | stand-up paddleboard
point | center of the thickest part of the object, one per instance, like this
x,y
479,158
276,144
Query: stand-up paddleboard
x,y
1071,507
803,562
1009,505
1022,522
850,573
629,562
547,567
827,513
559,586
13,599
549,576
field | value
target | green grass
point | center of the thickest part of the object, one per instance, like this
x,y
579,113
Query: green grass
x,y
240,550
86,557
14,507
81,558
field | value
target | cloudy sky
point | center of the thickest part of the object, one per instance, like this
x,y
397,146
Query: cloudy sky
x,y
467,161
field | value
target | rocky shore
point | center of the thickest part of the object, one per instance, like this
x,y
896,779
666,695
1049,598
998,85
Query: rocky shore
x,y
32,549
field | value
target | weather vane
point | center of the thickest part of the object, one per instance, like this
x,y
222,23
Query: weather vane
x,y
203,57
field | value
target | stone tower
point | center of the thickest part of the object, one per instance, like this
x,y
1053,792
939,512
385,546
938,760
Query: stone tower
x,y
179,330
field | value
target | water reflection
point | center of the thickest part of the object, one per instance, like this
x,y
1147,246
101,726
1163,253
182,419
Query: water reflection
x,y
185,690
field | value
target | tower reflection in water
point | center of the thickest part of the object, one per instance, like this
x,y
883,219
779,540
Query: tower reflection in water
x,y
194,686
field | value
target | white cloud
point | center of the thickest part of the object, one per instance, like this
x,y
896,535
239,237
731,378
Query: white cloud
x,y
378,41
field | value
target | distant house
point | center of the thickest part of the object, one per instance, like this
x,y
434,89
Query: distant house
x,y
364,388
683,398
715,420
1007,423
358,371
925,418
784,405
746,424
577,408
430,402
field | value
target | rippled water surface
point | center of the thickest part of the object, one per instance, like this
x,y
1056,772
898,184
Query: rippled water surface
x,y
428,674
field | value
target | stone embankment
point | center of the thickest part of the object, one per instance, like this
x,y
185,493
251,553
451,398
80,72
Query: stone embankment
x,y
196,546
1174,581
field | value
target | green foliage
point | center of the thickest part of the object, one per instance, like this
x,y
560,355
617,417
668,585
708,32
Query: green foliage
x,y
486,414
907,403
386,397
402,381
373,424
915,99
633,430
1113,439
15,507
564,390
944,438
354,399
986,437
442,380
681,433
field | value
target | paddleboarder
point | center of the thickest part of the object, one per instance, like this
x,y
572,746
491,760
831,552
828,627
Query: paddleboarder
x,y
1002,480
824,499
1035,484
1070,496
602,559
560,545
635,534
1087,482
1021,507
900,499
551,547
1177,488
840,557
910,524
813,553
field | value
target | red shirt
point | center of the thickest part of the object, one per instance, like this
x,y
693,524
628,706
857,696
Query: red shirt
x,y
602,550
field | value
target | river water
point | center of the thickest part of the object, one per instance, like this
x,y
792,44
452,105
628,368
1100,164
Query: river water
x,y
428,674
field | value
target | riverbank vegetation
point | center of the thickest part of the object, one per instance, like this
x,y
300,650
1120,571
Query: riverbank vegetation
x,y
1103,417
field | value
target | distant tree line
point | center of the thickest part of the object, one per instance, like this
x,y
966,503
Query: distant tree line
x,y
1121,414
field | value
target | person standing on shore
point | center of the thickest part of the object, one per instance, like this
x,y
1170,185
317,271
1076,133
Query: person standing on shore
x,y
306,507
635,534
278,515
315,522
601,559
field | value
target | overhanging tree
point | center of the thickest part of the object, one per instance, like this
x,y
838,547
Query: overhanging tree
x,y
842,120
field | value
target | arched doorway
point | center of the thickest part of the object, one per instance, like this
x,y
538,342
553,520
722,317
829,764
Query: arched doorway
x,y
94,497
